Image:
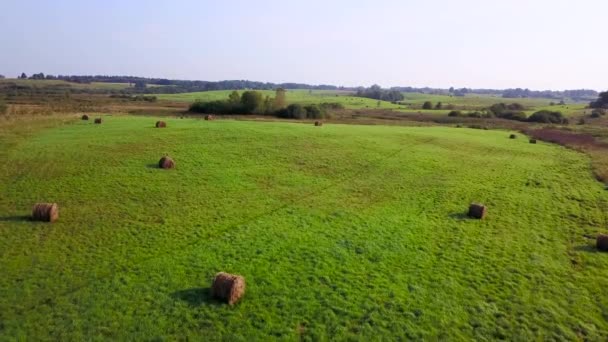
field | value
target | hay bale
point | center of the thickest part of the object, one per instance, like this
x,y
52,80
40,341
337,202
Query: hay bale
x,y
228,287
98,120
85,117
477,210
209,117
318,123
166,163
512,136
161,124
532,141
602,242
46,212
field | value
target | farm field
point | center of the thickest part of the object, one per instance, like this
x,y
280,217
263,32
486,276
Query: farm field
x,y
341,231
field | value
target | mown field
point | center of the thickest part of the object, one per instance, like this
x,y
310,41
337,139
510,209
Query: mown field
x,y
341,232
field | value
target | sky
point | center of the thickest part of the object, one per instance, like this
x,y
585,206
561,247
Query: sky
x,y
536,44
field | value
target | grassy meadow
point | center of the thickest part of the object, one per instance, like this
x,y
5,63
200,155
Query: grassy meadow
x,y
411,103
341,231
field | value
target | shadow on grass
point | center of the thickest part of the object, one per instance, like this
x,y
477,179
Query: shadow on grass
x,y
15,218
195,296
153,166
460,216
586,248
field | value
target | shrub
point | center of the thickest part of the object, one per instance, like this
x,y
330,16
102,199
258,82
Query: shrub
x,y
547,116
455,113
314,112
597,112
439,105
216,107
427,105
513,115
293,111
252,101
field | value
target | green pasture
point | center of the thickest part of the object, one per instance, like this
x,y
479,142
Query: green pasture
x,y
341,231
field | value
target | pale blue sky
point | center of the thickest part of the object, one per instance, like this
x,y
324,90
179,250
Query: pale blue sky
x,y
539,44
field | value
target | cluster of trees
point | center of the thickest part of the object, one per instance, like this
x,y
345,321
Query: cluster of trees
x,y
298,111
548,116
577,95
254,102
377,93
514,111
146,98
601,102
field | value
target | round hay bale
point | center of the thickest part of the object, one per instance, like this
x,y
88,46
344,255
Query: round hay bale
x,y
532,141
98,120
209,117
166,163
228,287
512,136
161,124
46,212
602,242
85,117
318,123
477,211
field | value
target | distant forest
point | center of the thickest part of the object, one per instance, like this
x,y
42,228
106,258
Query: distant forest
x,y
391,94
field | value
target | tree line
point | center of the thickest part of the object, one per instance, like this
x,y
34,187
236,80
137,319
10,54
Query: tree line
x,y
254,102
514,111
377,93
181,86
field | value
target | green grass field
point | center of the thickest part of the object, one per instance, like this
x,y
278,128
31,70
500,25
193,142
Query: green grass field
x,y
342,232
411,103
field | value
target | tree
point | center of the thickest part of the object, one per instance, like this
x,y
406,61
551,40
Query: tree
x,y
39,76
280,98
427,105
251,101
439,105
1,77
602,101
23,76
296,111
268,106
547,116
234,97
140,85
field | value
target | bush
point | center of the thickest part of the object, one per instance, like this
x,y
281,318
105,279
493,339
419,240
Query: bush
x,y
547,116
252,101
313,112
427,105
514,115
596,113
455,113
215,107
